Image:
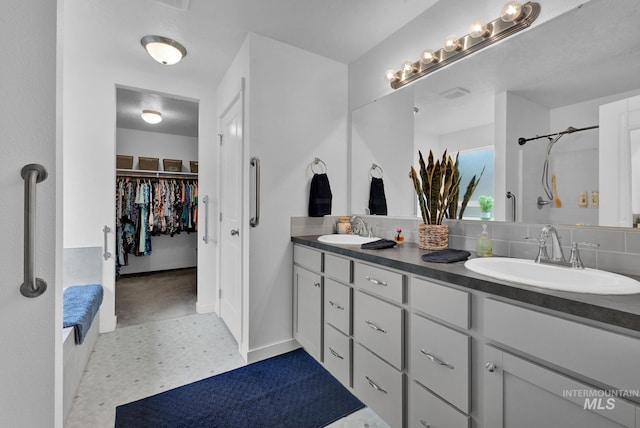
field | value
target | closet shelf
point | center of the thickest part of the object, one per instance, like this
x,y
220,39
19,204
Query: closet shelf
x,y
159,174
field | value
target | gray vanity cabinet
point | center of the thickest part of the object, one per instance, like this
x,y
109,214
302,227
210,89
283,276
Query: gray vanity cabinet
x,y
521,394
307,295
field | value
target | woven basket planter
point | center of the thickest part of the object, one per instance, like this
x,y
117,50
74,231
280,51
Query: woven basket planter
x,y
433,236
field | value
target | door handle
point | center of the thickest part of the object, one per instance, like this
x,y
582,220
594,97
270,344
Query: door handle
x,y
255,221
32,174
235,232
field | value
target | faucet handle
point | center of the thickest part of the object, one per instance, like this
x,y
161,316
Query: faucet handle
x,y
574,258
542,249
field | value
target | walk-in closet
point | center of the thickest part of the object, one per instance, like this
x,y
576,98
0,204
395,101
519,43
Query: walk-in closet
x,y
156,204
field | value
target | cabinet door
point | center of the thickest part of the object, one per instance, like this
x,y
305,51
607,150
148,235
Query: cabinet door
x,y
521,394
308,311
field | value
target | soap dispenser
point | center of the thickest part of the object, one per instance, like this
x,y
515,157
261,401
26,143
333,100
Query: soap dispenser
x,y
483,246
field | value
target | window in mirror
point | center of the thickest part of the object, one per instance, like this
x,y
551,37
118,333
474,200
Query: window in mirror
x,y
470,163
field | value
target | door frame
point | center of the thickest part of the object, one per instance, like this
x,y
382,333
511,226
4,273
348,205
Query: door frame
x,y
243,345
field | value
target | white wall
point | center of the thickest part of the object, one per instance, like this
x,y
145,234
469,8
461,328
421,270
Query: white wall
x,y
382,133
90,134
30,343
295,110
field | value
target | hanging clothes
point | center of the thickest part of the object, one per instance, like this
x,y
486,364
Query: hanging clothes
x,y
147,207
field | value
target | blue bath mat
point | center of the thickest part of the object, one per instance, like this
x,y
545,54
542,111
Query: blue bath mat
x,y
290,390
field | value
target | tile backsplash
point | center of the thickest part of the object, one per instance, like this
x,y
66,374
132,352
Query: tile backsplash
x,y
619,249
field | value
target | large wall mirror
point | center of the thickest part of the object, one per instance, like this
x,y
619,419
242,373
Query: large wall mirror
x,y
539,82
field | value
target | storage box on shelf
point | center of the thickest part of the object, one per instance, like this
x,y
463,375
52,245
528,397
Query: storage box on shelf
x,y
172,165
124,162
147,164
193,167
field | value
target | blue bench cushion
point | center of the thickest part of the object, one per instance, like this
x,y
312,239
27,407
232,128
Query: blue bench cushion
x,y
80,306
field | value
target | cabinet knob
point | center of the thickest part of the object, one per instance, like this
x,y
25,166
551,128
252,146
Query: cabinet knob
x,y
491,367
317,284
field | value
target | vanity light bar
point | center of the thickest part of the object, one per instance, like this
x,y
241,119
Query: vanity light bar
x,y
496,30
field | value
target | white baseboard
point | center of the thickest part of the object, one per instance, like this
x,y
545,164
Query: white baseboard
x,y
107,323
271,350
205,308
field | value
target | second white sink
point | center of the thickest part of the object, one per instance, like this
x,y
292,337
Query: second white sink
x,y
345,239
528,272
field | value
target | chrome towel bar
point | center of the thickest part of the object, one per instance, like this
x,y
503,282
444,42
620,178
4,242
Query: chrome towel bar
x,y
32,174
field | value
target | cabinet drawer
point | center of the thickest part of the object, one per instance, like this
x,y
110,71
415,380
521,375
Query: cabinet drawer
x,y
440,301
337,305
610,358
304,256
379,326
337,354
337,268
428,410
379,281
378,385
440,360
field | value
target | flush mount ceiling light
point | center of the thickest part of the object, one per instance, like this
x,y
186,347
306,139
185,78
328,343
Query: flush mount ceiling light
x,y
514,17
151,116
163,49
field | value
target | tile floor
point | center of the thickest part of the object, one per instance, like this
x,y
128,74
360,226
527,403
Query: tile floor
x,y
140,360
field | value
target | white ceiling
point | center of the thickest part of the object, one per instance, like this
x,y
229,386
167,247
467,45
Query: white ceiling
x,y
213,31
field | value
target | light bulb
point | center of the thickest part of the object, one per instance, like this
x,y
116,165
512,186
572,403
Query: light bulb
x,y
151,116
428,56
479,29
511,11
407,67
451,43
391,76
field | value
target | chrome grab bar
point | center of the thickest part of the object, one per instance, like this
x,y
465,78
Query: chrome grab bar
x,y
255,221
32,174
205,202
106,254
513,205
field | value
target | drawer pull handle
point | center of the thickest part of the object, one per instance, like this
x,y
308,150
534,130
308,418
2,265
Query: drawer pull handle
x,y
374,385
375,327
335,354
375,281
436,359
317,284
335,305
424,424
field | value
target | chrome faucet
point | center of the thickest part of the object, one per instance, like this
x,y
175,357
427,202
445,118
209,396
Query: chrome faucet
x,y
557,255
360,229
556,249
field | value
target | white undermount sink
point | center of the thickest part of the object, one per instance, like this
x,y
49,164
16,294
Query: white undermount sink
x,y
528,272
345,239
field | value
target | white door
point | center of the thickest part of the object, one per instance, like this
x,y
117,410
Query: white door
x,y
231,225
30,327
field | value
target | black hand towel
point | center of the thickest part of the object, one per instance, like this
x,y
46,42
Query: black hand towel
x,y
448,255
320,196
377,199
380,244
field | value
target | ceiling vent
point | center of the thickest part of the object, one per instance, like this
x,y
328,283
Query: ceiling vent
x,y
454,93
178,4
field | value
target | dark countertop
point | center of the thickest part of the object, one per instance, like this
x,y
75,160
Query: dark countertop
x,y
622,311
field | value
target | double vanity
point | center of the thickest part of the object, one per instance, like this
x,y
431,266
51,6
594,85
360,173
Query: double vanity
x,y
438,345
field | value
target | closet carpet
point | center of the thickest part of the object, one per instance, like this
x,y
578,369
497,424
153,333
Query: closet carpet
x,y
155,296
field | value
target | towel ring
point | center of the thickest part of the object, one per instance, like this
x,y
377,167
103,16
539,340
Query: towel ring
x,y
374,168
323,166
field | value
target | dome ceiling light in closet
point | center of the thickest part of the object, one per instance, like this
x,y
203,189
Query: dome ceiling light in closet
x,y
151,116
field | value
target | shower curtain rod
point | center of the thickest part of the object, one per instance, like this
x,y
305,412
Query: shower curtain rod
x,y
569,130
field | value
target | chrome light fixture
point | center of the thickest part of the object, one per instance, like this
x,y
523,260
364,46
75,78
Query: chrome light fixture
x,y
151,116
514,17
163,49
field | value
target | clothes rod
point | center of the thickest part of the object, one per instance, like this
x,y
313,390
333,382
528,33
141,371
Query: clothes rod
x,y
157,174
569,130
